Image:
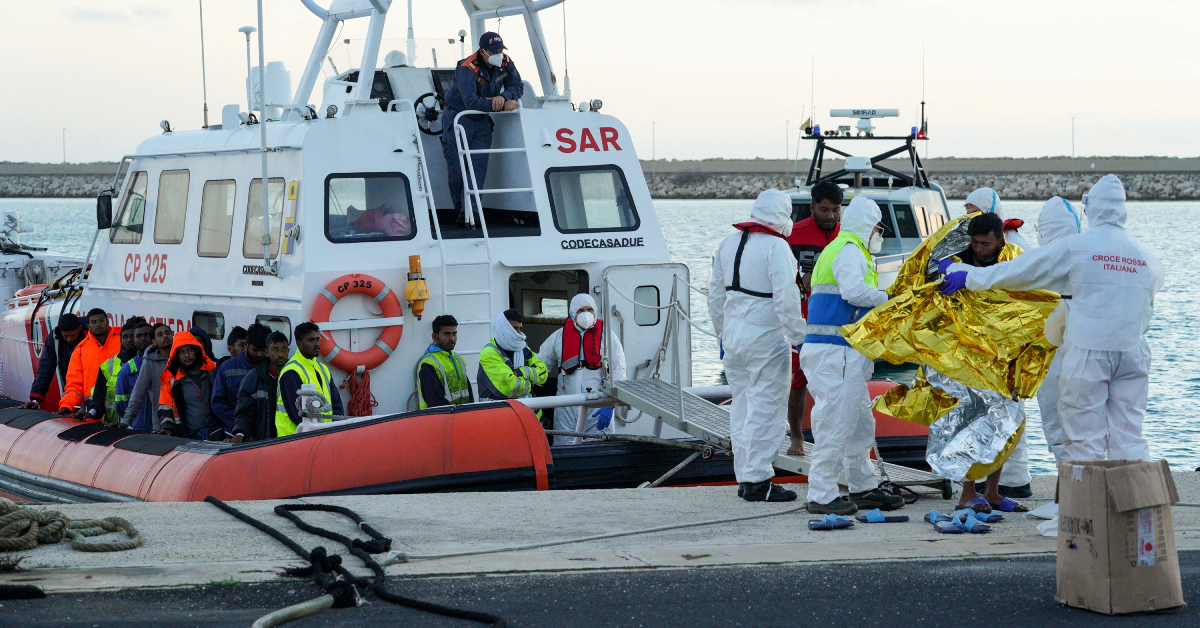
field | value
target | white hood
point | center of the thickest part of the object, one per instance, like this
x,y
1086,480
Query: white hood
x,y
1057,220
1104,204
580,301
987,200
860,217
773,209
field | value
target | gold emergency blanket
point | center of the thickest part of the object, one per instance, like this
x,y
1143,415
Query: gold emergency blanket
x,y
990,340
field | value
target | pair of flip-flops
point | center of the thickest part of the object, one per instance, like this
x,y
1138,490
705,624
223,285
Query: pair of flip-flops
x,y
831,522
980,504
960,521
877,516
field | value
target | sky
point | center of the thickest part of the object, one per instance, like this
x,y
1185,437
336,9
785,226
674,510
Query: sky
x,y
690,80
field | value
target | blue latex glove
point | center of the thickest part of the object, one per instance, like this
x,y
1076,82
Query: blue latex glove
x,y
954,282
944,265
603,418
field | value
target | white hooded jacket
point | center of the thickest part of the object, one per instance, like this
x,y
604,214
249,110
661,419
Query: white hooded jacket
x,y
767,266
1057,221
850,266
1111,279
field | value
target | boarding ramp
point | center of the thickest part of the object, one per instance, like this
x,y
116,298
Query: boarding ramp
x,y
709,422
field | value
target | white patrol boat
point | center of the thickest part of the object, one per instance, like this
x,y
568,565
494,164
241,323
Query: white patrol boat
x,y
183,238
912,206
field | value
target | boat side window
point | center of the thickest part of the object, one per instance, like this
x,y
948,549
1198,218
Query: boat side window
x,y
646,295
889,231
922,222
216,219
127,228
252,247
213,323
280,324
368,207
935,222
591,198
906,221
171,210
801,211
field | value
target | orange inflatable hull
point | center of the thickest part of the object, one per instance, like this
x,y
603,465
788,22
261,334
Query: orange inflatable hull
x,y
501,445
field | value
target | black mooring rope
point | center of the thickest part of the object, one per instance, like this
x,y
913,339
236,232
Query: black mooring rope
x,y
320,562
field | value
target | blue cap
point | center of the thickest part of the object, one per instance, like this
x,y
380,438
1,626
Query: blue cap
x,y
491,42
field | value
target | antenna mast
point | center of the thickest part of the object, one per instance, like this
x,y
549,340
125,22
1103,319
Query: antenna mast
x,y
412,43
203,70
812,88
566,65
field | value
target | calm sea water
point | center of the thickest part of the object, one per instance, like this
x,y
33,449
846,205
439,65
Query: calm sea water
x,y
693,229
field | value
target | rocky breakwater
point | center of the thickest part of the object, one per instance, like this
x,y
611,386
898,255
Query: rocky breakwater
x,y
53,186
1040,186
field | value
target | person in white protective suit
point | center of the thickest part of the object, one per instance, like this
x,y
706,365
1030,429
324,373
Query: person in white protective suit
x,y
1105,366
987,201
844,288
1057,220
755,308
577,352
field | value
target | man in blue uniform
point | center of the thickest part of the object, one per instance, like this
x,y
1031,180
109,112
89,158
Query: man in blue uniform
x,y
484,81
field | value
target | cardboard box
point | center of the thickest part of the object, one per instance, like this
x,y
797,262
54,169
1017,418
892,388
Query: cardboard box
x,y
1116,541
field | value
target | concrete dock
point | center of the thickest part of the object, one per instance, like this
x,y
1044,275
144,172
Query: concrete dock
x,y
195,543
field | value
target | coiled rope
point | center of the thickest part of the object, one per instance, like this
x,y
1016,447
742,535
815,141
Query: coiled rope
x,y
24,528
343,586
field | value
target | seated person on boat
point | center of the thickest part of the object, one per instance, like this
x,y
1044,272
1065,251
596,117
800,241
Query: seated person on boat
x,y
142,412
184,402
100,344
102,403
442,373
508,369
232,371
57,348
304,368
254,415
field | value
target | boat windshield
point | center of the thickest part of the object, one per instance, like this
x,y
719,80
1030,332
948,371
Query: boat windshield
x,y
591,198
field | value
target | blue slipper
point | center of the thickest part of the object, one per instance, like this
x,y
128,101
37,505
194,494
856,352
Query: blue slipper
x,y
830,522
949,527
975,526
877,516
987,517
935,517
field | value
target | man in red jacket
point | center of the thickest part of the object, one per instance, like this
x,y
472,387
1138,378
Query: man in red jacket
x,y
808,239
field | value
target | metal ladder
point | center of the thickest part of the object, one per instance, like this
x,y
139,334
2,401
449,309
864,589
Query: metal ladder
x,y
471,189
708,422
425,192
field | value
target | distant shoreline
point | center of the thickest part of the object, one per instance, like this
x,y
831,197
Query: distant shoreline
x,y
1146,178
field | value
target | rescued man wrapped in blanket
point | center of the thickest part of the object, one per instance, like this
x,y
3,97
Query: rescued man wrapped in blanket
x,y
980,353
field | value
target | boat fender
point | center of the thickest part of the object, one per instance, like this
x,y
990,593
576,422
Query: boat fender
x,y
369,286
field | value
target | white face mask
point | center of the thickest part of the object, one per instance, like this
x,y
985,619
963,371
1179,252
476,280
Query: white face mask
x,y
496,59
585,320
875,244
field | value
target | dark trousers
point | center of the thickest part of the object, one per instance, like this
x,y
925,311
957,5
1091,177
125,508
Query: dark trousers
x,y
479,135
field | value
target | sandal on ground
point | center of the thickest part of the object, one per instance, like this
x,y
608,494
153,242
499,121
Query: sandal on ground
x,y
830,522
877,516
986,517
1009,505
979,504
935,517
974,525
949,527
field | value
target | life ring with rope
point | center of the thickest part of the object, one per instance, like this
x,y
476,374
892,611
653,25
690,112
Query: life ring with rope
x,y
383,348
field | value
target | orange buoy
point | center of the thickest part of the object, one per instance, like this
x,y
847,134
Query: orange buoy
x,y
388,341
30,290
